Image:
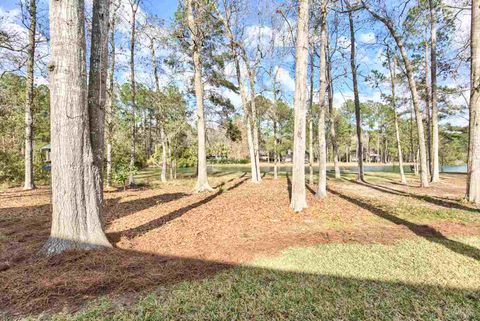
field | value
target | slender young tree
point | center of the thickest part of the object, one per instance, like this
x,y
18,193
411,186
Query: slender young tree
x,y
392,65
310,121
29,180
134,5
358,119
387,22
76,215
428,118
110,103
322,144
160,118
248,119
331,114
473,182
433,70
202,179
299,200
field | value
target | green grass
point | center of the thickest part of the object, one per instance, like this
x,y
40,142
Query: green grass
x,y
412,280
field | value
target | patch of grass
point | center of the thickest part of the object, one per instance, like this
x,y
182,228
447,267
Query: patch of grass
x,y
412,280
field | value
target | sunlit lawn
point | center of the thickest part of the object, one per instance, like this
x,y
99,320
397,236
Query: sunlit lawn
x,y
412,280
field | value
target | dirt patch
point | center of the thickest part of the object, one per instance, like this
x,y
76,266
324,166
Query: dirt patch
x,y
167,235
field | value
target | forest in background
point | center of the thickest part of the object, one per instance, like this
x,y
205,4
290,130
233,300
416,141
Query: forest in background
x,y
161,116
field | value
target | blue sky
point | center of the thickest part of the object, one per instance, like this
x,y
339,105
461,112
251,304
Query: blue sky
x,y
368,54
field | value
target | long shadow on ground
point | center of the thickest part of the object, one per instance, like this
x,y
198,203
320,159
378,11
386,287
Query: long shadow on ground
x,y
154,224
422,197
71,280
425,231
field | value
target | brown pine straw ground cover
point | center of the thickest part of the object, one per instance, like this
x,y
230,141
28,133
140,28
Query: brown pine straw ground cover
x,y
163,234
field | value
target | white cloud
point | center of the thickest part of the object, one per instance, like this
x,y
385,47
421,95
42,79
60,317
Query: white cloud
x,y
367,38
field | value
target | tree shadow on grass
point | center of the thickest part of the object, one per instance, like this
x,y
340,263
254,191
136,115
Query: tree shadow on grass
x,y
289,187
114,237
425,231
113,209
426,198
70,281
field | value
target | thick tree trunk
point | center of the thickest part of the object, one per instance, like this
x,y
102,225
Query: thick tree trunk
x,y
97,85
76,211
322,144
473,182
133,85
29,181
202,179
433,67
358,120
424,181
392,66
299,200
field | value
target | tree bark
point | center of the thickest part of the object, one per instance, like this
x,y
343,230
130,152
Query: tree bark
x,y
133,26
322,144
473,182
76,211
310,124
110,103
427,109
202,179
424,181
254,120
299,201
358,120
29,180
433,67
97,85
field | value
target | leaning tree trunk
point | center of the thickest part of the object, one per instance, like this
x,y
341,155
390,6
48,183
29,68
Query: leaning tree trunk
x,y
248,120
473,182
424,181
322,144
133,87
433,70
392,68
29,184
358,120
299,200
76,211
97,85
202,179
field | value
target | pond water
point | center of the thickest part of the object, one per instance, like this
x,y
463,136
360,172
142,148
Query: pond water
x,y
344,169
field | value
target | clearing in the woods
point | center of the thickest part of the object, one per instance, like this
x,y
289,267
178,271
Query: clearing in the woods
x,y
370,251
